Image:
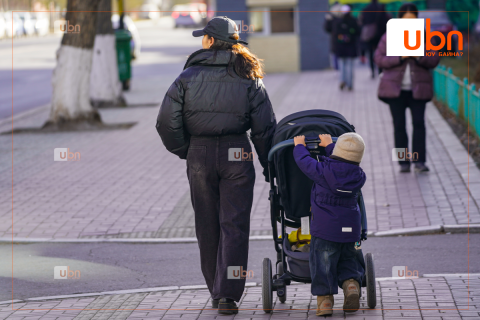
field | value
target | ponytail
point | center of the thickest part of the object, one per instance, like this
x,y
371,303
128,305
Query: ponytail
x,y
247,65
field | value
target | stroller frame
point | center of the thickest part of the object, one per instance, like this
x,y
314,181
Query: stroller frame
x,y
283,277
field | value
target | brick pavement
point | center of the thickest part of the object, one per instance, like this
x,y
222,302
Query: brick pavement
x,y
127,185
435,297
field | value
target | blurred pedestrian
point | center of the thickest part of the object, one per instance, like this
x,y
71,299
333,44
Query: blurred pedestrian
x,y
330,17
345,31
204,118
406,82
373,20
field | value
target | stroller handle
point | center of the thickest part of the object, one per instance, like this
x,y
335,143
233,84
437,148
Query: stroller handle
x,y
288,143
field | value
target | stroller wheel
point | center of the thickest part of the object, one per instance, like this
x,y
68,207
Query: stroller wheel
x,y
281,292
267,293
371,283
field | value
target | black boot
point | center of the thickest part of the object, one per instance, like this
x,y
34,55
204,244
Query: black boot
x,y
405,167
421,167
215,303
227,306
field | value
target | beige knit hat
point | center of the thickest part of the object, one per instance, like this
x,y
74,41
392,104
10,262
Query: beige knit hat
x,y
350,146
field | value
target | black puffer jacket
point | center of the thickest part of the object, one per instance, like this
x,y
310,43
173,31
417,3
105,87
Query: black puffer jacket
x,y
345,31
210,99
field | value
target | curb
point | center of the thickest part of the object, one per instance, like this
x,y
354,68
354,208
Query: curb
x,y
410,231
23,114
197,287
115,240
460,228
143,290
416,231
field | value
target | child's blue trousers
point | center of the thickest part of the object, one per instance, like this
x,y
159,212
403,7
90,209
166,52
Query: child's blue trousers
x,y
331,263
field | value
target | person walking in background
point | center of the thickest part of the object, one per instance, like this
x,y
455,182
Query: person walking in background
x,y
345,31
330,18
204,118
373,20
406,82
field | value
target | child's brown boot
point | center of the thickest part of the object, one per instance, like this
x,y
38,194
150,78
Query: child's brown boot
x,y
324,305
351,290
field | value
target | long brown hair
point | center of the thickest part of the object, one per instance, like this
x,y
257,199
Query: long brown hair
x,y
246,65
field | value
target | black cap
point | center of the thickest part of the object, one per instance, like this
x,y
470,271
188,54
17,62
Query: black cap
x,y
220,28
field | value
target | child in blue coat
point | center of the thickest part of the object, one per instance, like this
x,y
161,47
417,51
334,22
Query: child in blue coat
x,y
336,218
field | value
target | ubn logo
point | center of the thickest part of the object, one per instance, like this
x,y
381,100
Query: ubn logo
x,y
241,27
403,272
62,272
402,154
239,273
238,154
413,33
61,26
64,154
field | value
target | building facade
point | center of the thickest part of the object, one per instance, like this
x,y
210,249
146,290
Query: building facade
x,y
287,34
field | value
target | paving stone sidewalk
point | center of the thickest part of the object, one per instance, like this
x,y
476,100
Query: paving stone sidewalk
x,y
126,185
437,297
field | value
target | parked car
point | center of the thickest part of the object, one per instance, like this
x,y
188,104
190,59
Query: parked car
x,y
202,9
135,43
186,16
42,23
27,22
149,11
439,21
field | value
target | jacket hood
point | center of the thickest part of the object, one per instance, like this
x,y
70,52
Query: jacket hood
x,y
343,179
208,57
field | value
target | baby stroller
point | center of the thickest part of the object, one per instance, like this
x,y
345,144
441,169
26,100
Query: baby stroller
x,y
290,201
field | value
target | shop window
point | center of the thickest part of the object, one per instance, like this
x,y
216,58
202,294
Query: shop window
x,y
266,21
281,20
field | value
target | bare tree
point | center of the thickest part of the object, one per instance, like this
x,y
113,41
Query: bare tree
x,y
105,86
71,76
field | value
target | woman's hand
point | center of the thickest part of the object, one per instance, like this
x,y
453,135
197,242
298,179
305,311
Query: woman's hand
x,y
325,140
299,140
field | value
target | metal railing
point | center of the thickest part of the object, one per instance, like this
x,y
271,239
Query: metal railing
x,y
459,96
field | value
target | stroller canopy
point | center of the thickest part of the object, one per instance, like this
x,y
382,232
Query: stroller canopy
x,y
294,186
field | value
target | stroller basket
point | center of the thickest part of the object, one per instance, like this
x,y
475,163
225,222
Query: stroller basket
x,y
297,261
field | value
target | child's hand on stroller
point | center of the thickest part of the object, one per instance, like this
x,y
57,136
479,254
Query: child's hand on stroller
x,y
299,140
325,139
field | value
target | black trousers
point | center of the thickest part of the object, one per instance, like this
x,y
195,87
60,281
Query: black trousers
x,y
417,109
222,194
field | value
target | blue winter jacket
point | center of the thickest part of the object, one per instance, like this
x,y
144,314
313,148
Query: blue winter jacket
x,y
335,212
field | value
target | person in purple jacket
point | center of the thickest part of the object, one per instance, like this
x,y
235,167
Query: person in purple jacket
x,y
336,218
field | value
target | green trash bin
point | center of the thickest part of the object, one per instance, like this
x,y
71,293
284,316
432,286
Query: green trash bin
x,y
124,57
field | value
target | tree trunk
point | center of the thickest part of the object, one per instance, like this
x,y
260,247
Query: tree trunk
x,y
105,86
71,76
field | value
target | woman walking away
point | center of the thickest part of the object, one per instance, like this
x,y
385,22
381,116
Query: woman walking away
x,y
204,118
406,82
345,32
373,20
